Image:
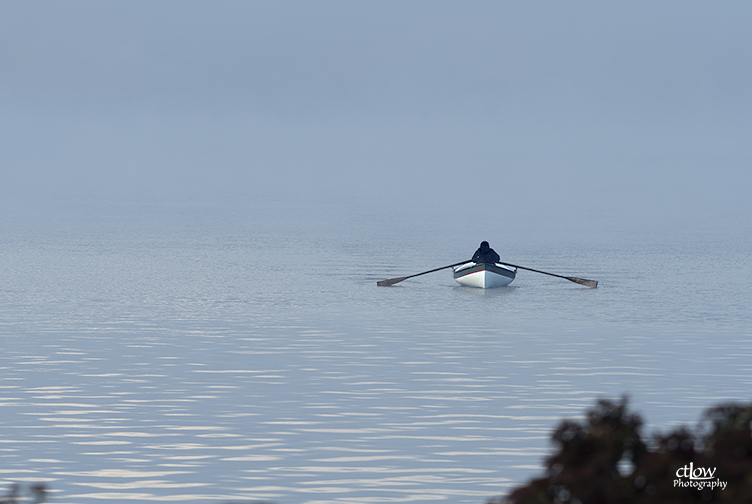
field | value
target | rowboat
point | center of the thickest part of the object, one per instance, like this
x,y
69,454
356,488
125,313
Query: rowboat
x,y
484,275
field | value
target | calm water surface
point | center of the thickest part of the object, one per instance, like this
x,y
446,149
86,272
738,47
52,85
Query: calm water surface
x,y
217,349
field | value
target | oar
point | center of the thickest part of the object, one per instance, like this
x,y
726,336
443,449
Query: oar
x,y
581,281
392,281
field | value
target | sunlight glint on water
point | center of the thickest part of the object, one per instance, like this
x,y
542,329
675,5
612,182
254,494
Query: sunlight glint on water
x,y
199,361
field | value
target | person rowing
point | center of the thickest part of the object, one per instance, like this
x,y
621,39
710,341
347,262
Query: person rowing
x,y
485,254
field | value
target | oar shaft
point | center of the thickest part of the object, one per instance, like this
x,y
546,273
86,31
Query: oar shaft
x,y
531,269
392,281
437,269
581,281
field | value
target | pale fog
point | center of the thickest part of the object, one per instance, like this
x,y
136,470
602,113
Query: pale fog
x,y
636,112
188,177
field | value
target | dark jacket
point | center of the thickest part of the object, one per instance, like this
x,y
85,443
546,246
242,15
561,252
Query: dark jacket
x,y
485,254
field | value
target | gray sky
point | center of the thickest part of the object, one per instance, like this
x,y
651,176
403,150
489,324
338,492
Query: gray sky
x,y
583,107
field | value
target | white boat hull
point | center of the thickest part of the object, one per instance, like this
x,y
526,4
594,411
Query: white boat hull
x,y
484,276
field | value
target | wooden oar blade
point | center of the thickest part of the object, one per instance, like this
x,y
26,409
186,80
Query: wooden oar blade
x,y
390,281
582,281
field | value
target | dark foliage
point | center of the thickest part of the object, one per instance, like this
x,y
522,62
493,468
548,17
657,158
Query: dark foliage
x,y
605,460
37,491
